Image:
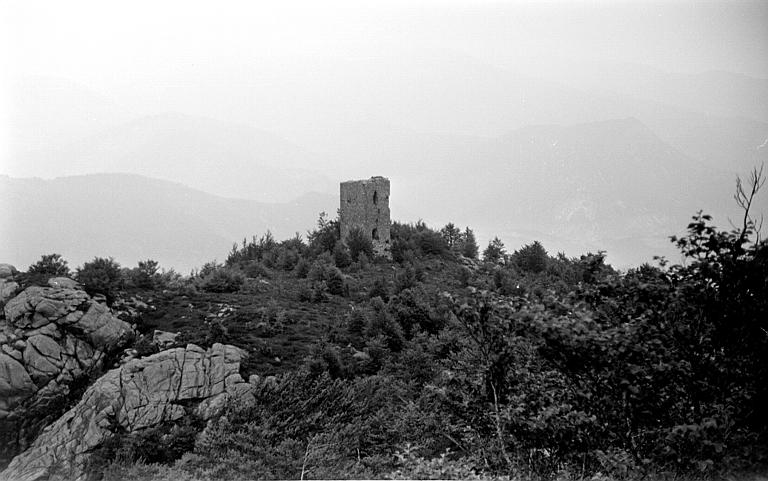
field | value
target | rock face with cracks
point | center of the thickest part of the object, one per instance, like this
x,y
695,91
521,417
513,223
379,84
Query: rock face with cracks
x,y
52,340
142,393
8,287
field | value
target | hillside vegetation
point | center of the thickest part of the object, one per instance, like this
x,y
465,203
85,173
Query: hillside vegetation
x,y
446,362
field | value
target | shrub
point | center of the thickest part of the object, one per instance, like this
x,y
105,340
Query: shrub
x,y
145,274
452,235
495,251
208,268
335,281
412,311
431,242
324,357
363,261
255,269
302,268
324,238
287,258
402,251
100,276
49,265
405,279
382,324
223,280
359,243
330,275
217,332
379,289
531,258
341,256
356,322
464,276
469,244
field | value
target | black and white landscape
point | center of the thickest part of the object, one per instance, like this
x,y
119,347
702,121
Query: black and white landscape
x,y
178,301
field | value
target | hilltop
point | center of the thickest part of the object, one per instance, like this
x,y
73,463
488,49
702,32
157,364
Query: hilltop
x,y
447,361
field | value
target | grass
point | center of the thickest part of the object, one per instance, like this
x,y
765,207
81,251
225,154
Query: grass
x,y
301,325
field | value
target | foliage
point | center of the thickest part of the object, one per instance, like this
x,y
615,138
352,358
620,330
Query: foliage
x,y
531,258
341,256
324,238
451,234
100,276
323,271
145,275
528,367
49,265
469,244
222,280
416,241
405,279
301,270
359,244
379,289
495,251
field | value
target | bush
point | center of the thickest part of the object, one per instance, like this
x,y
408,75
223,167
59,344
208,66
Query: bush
x,y
464,276
287,259
341,256
100,276
209,268
495,252
145,275
405,279
50,265
469,244
331,276
379,289
335,281
433,243
302,269
222,280
356,322
359,243
382,324
255,269
531,258
324,238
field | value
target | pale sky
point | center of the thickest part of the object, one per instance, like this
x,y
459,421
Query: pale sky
x,y
99,43
222,95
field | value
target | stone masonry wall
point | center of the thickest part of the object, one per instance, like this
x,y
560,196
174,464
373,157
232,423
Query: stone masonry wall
x,y
365,204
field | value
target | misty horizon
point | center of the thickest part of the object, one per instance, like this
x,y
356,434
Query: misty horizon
x,y
585,126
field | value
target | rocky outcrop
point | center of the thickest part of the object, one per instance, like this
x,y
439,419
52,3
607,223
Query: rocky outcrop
x,y
142,393
8,287
163,339
52,340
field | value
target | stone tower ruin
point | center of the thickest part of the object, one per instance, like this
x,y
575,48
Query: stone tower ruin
x,y
365,205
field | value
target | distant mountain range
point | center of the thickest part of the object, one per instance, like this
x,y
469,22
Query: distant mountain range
x,y
611,185
617,160
130,217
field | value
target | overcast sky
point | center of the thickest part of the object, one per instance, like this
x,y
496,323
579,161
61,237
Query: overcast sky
x,y
151,57
102,43
271,100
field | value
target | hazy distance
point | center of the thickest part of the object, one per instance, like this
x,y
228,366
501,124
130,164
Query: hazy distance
x,y
585,125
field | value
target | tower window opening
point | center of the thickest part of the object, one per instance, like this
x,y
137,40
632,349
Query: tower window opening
x,y
375,197
375,234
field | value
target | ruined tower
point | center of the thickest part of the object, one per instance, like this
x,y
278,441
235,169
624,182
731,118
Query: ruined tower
x,y
365,204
